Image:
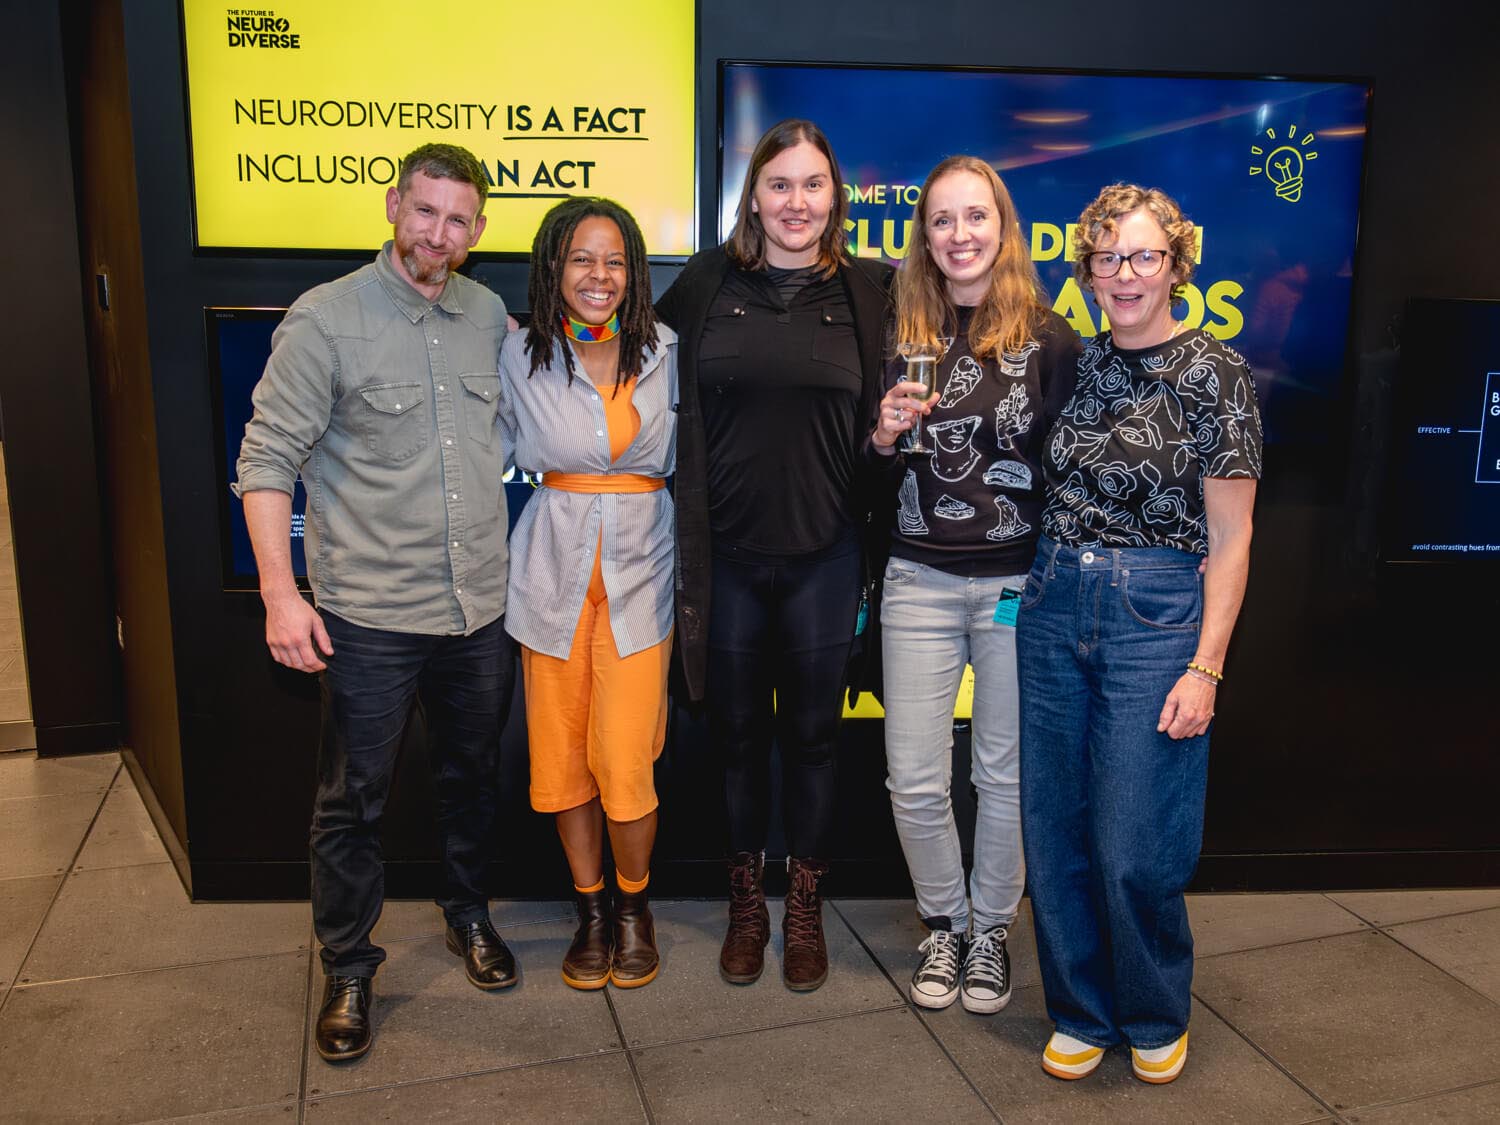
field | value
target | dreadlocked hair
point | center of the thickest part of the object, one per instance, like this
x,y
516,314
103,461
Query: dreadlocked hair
x,y
549,250
1012,309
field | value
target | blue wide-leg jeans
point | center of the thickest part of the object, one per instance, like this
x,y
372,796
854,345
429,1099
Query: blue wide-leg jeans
x,y
1112,810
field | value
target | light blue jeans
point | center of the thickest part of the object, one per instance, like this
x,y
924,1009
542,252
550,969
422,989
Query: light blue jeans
x,y
933,624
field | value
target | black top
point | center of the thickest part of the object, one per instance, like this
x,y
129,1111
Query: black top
x,y
1126,460
684,307
974,506
779,385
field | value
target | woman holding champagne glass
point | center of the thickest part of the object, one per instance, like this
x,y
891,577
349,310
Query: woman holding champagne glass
x,y
964,538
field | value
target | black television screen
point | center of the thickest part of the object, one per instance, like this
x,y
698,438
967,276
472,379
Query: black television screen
x,y
238,345
1270,170
1443,487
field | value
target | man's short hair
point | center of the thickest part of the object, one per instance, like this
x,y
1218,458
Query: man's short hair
x,y
445,162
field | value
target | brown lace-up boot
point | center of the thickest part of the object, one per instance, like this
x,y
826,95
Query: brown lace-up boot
x,y
804,956
744,954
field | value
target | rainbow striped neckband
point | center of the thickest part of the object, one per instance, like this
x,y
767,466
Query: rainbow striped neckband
x,y
592,333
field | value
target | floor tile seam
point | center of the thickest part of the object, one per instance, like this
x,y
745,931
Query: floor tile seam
x,y
1329,1109
635,1071
436,1079
59,793
708,1037
1447,973
159,969
207,1113
1414,1098
307,1025
52,902
907,1003
1436,917
1364,928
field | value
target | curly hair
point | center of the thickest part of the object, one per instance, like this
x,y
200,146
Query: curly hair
x,y
1115,202
1013,307
747,242
445,162
549,249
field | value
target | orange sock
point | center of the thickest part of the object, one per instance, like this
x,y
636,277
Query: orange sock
x,y
599,886
632,886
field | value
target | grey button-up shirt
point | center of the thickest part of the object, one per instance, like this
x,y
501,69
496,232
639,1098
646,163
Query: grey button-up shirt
x,y
557,427
385,403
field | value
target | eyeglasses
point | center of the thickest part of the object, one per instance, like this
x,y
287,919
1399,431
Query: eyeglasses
x,y
1143,263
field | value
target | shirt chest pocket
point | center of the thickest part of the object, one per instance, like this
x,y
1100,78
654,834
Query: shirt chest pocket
x,y
394,427
481,401
833,340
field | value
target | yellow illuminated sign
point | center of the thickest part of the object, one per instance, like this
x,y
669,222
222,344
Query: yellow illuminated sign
x,y
301,113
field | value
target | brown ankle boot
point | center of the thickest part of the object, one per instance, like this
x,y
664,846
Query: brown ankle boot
x,y
804,956
636,960
586,963
744,954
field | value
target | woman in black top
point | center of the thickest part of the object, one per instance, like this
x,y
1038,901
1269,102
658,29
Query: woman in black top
x,y
963,540
779,356
1152,464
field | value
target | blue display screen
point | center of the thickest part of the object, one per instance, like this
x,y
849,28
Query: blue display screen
x,y
1268,169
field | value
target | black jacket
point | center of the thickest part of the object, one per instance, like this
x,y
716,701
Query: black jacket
x,y
684,308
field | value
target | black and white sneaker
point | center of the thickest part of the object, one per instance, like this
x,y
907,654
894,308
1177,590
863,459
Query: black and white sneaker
x,y
935,983
986,986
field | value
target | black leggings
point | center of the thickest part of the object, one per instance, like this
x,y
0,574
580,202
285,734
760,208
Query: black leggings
x,y
783,628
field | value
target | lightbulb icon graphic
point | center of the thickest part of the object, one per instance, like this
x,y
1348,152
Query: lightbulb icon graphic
x,y
1285,164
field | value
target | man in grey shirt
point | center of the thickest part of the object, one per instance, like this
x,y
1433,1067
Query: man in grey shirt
x,y
381,392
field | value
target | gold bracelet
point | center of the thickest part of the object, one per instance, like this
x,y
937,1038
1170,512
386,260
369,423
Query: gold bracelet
x,y
1194,666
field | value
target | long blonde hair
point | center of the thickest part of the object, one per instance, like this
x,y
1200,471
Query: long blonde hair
x,y
1013,307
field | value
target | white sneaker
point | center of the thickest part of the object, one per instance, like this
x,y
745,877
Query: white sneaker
x,y
986,986
935,983
1066,1057
1159,1065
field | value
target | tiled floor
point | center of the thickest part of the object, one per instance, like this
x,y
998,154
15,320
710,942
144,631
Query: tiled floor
x,y
121,1001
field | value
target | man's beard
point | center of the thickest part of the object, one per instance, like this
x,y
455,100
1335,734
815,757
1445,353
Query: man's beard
x,y
425,271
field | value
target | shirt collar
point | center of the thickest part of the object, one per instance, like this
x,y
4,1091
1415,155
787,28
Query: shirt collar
x,y
407,299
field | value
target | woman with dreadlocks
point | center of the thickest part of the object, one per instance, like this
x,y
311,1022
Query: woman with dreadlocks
x,y
587,396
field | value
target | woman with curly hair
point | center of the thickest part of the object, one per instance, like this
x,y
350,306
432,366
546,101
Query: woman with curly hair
x,y
1152,464
588,395
962,542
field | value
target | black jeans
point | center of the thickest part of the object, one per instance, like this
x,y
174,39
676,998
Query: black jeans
x,y
784,629
463,685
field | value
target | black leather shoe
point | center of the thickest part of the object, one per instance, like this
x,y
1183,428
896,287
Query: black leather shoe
x,y
344,1030
487,962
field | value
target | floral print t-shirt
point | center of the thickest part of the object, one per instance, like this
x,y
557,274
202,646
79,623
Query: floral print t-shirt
x,y
1126,460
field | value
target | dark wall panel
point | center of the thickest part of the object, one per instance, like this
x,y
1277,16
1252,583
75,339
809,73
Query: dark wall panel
x,y
61,557
1349,726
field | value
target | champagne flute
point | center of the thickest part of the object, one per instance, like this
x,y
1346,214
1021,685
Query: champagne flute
x,y
921,367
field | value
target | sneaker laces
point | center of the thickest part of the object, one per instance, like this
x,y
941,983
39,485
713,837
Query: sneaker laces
x,y
986,957
940,953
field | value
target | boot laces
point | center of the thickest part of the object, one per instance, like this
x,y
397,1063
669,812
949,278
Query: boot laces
x,y
804,915
744,903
